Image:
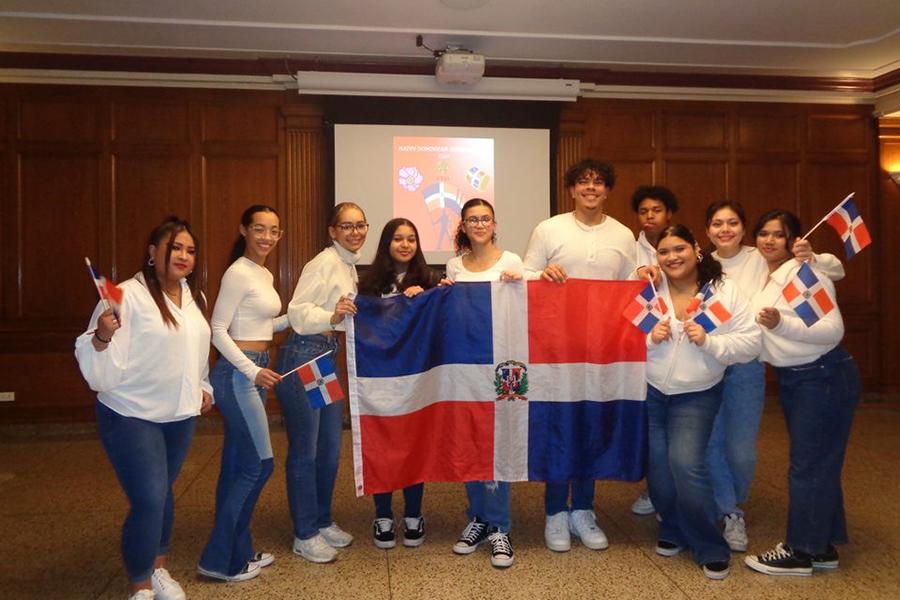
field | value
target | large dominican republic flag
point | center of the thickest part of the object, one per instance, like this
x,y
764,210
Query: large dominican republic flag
x,y
498,381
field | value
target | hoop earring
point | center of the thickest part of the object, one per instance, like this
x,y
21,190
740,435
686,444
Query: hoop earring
x,y
151,262
699,256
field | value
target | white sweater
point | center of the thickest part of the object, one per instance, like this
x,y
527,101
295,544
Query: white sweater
x,y
245,310
328,276
749,270
149,370
604,251
508,261
646,253
792,343
677,366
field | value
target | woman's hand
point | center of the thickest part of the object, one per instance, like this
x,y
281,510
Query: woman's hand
x,y
413,291
206,403
343,307
267,378
510,276
802,250
695,333
445,281
648,273
107,324
661,332
554,272
769,317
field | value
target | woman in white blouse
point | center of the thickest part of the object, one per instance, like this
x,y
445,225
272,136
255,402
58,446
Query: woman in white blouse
x,y
243,321
148,363
322,298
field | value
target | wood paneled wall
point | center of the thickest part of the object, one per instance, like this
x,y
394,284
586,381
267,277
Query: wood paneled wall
x,y
89,171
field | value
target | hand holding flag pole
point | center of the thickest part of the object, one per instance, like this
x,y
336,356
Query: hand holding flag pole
x,y
110,294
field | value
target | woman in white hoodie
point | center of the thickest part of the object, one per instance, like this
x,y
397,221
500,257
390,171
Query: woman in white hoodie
x,y
685,366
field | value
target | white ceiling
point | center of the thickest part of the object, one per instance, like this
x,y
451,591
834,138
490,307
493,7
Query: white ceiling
x,y
789,37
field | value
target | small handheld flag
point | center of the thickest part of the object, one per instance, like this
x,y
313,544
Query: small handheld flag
x,y
319,380
646,310
109,293
706,310
807,296
845,219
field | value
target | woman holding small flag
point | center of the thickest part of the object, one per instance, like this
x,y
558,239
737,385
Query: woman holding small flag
x,y
686,360
819,387
243,322
322,299
399,267
479,259
731,455
148,363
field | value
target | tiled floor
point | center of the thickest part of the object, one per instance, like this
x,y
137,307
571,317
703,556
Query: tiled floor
x,y
60,511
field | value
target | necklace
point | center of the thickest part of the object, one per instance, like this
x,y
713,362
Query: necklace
x,y
172,295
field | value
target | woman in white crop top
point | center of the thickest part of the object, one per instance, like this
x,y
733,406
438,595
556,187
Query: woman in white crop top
x,y
243,321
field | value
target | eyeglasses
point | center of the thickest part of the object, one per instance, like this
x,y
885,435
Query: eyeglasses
x,y
348,227
262,230
475,221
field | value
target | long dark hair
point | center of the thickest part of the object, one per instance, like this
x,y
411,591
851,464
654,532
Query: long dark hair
x,y
708,269
789,221
165,232
380,277
462,241
240,244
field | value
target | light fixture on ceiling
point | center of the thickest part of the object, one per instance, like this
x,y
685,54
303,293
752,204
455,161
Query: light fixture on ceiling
x,y
426,86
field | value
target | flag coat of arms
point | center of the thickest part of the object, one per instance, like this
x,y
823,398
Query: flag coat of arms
x,y
807,296
320,382
706,310
497,381
845,219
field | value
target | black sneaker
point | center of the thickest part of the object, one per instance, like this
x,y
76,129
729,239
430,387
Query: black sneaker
x,y
826,560
473,535
717,569
383,533
664,548
413,531
780,560
501,549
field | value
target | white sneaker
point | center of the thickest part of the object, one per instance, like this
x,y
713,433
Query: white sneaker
x,y
144,594
735,532
335,536
263,559
250,570
315,549
556,532
643,506
583,523
165,587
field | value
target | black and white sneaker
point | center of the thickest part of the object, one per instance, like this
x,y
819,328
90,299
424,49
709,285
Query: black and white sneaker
x,y
473,535
413,531
383,533
717,569
780,560
826,560
501,549
664,548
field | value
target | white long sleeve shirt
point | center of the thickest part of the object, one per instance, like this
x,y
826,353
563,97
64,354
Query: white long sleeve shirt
x,y
749,270
677,366
328,276
646,253
149,370
605,251
791,342
246,309
508,261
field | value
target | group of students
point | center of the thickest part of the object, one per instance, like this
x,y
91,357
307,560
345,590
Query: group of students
x,y
148,361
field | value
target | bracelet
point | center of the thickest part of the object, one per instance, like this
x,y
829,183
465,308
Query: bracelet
x,y
100,339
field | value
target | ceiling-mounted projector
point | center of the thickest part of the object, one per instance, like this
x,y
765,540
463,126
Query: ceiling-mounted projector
x,y
459,67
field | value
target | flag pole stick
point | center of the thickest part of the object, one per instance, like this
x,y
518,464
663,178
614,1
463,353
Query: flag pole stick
x,y
825,218
297,368
87,261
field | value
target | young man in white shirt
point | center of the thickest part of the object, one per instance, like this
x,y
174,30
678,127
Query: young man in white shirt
x,y
589,244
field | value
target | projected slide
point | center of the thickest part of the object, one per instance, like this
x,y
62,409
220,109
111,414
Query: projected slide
x,y
433,178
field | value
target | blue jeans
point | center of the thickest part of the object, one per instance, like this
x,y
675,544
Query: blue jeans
x,y
246,465
677,476
818,399
489,501
412,500
731,453
314,438
556,496
146,457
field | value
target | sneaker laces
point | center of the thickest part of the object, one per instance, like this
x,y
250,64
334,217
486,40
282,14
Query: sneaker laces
x,y
472,531
500,543
164,578
779,552
383,525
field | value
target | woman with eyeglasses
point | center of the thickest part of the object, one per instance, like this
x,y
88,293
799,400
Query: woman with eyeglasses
x,y
321,301
479,259
243,321
399,267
